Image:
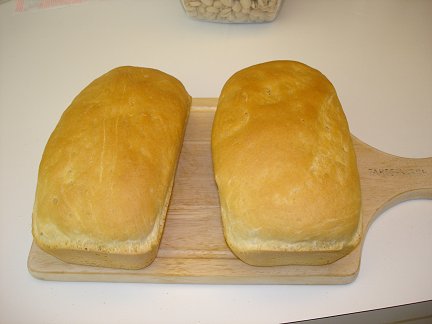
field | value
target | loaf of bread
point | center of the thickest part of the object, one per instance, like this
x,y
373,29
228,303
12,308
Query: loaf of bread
x,y
285,167
107,171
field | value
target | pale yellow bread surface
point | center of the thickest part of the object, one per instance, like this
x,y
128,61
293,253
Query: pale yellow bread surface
x,y
285,167
107,171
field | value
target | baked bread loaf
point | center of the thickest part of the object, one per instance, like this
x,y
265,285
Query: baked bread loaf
x,y
107,171
285,167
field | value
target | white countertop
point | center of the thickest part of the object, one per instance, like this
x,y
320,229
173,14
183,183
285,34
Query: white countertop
x,y
376,53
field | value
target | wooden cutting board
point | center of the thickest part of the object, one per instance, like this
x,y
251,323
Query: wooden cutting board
x,y
193,249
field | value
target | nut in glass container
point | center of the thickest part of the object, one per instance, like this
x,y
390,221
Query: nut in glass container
x,y
232,11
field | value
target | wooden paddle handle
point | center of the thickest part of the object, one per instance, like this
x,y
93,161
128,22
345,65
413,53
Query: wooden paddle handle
x,y
393,179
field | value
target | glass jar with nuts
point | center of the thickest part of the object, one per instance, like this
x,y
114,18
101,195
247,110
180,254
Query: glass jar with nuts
x,y
232,11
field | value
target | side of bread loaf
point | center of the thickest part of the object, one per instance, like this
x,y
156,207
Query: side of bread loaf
x,y
285,167
107,171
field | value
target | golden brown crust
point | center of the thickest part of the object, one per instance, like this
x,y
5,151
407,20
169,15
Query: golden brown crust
x,y
285,167
107,171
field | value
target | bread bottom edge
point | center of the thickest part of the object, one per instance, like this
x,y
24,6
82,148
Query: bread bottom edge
x,y
266,256
285,258
104,259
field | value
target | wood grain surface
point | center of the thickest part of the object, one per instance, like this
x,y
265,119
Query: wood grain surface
x,y
193,249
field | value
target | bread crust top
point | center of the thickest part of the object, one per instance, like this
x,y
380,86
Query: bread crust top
x,y
108,165
284,162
